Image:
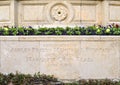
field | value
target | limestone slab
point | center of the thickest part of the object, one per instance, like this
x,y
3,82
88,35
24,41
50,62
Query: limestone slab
x,y
88,15
58,58
34,15
4,13
17,56
104,59
114,8
65,57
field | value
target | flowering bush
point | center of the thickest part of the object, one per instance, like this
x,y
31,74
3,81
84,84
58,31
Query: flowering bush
x,y
90,30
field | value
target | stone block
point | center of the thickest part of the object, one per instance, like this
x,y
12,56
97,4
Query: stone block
x,y
65,57
18,56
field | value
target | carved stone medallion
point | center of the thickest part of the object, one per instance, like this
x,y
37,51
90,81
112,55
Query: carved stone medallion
x,y
59,12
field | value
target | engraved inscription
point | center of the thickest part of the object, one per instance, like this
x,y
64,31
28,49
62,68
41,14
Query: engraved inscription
x,y
61,52
30,54
105,60
14,56
51,52
59,56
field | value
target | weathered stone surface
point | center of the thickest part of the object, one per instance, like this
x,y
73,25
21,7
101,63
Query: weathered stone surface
x,y
66,57
59,58
57,12
17,56
113,11
4,13
104,57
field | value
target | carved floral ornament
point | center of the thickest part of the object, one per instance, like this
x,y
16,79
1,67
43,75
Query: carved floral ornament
x,y
61,12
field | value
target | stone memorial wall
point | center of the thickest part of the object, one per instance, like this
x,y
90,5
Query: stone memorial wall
x,y
65,57
59,12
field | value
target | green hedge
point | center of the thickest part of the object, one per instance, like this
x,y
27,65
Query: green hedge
x,y
42,79
90,30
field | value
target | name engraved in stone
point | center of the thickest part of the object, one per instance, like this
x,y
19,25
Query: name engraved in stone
x,y
82,59
101,51
29,53
23,49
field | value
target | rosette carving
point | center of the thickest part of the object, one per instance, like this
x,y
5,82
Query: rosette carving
x,y
59,12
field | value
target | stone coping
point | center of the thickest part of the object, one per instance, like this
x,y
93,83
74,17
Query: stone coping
x,y
55,37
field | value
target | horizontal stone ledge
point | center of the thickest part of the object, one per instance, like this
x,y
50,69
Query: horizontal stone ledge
x,y
52,37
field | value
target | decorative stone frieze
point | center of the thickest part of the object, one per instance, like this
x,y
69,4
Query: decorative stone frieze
x,y
59,12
